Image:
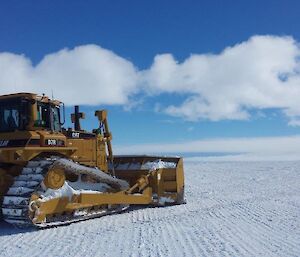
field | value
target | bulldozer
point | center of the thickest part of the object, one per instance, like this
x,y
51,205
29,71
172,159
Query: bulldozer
x,y
51,175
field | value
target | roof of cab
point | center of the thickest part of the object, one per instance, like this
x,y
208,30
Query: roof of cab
x,y
42,98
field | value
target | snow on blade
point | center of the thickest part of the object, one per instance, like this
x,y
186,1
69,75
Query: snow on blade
x,y
158,164
163,200
150,165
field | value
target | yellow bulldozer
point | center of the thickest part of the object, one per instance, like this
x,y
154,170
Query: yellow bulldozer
x,y
50,175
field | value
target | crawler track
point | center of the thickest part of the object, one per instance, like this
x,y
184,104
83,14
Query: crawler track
x,y
16,202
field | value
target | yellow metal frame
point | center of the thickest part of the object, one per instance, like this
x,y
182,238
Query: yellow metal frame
x,y
20,155
39,210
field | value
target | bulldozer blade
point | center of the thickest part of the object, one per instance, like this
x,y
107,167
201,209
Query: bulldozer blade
x,y
166,180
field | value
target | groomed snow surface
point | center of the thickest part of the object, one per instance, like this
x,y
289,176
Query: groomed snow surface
x,y
233,209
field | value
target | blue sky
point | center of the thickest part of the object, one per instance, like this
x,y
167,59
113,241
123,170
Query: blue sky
x,y
137,31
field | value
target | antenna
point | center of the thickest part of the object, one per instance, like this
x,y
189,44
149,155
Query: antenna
x,y
52,94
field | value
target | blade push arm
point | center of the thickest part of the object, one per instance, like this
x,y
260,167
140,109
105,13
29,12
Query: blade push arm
x,y
104,129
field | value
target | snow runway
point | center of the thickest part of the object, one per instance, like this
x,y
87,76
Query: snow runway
x,y
233,209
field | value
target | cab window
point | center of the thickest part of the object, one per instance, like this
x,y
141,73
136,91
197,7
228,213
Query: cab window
x,y
43,116
48,117
56,120
11,115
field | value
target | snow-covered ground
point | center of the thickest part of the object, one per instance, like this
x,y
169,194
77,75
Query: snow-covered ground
x,y
233,209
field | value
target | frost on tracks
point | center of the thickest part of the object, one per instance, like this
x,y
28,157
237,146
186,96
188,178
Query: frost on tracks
x,y
233,209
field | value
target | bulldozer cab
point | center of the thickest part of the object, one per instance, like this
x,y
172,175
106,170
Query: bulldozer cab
x,y
29,112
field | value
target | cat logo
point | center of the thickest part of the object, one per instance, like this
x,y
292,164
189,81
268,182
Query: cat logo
x,y
4,143
51,142
75,135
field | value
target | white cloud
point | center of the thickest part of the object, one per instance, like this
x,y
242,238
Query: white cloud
x,y
85,75
263,72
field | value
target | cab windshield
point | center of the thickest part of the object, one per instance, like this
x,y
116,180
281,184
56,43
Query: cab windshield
x,y
48,116
11,115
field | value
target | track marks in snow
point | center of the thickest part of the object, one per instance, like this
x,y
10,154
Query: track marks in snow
x,y
233,209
